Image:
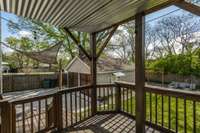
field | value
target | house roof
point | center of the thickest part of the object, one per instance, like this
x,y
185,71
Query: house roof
x,y
78,66
109,64
82,15
103,64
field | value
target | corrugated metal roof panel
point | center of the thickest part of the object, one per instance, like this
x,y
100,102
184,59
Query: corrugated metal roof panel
x,y
82,15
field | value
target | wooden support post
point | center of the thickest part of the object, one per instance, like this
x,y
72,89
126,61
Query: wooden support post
x,y
140,72
118,97
8,119
57,105
93,72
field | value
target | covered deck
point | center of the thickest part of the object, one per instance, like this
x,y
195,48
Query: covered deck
x,y
119,107
70,110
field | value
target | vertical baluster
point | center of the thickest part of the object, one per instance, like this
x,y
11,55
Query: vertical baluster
x,y
134,104
112,101
194,117
150,108
71,110
169,112
108,96
156,108
75,106
99,98
31,106
84,104
66,112
104,100
185,116
98,104
23,118
118,98
46,113
39,114
162,104
119,92
80,111
88,101
176,114
123,98
127,89
131,100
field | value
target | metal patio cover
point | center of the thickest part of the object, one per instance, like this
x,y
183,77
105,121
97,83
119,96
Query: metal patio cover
x,y
81,15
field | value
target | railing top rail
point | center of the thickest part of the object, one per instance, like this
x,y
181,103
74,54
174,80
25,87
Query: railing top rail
x,y
106,85
190,95
149,88
32,98
125,84
21,100
2,102
73,89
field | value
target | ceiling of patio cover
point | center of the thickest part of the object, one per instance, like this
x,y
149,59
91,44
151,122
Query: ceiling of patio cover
x,y
81,15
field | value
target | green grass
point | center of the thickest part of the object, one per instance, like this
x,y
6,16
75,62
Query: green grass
x,y
189,112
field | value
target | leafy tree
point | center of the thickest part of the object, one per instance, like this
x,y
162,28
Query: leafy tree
x,y
45,34
183,64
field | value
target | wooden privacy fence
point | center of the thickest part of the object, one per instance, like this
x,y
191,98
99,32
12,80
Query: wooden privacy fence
x,y
159,77
170,77
21,81
166,109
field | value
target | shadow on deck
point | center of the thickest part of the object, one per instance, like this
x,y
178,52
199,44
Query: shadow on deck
x,y
108,123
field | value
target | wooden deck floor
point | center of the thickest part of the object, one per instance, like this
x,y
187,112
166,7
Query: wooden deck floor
x,y
109,123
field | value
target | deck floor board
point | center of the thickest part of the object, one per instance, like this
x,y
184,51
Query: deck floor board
x,y
108,123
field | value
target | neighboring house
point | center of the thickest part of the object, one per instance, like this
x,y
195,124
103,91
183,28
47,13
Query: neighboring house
x,y
105,64
109,64
108,70
79,67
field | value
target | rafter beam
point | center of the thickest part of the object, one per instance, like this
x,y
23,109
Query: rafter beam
x,y
77,43
107,40
192,8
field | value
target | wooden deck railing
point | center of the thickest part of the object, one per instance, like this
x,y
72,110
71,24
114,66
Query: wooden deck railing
x,y
32,114
58,110
76,105
166,109
106,100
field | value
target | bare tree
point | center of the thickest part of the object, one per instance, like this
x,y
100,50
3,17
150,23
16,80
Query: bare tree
x,y
175,33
